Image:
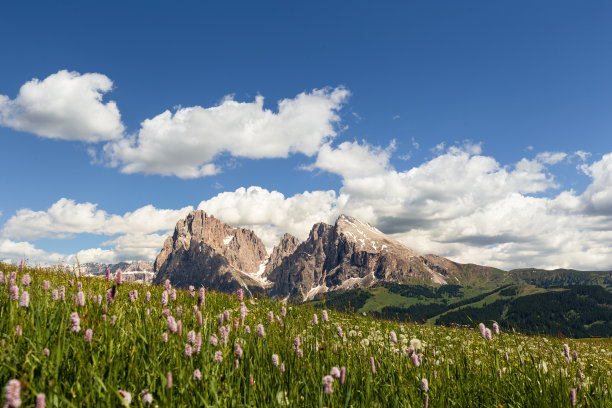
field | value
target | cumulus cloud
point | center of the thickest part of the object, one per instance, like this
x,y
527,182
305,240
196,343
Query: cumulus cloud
x,y
353,159
598,195
65,218
185,143
13,251
460,204
65,105
270,213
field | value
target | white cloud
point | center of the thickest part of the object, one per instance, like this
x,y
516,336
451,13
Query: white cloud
x,y
460,204
271,214
352,159
598,196
184,144
550,157
65,105
66,218
13,252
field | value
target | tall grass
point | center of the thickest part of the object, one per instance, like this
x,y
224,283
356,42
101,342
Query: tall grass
x,y
461,368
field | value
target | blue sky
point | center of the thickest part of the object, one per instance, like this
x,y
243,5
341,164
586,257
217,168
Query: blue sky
x,y
480,131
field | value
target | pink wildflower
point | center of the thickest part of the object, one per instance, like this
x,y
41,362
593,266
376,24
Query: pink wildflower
x,y
415,360
164,299
75,322
327,383
393,337
21,266
325,318
46,352
167,285
108,274
179,328
218,356
243,311
282,368
81,298
25,281
88,335
342,374
46,285
119,276
213,340
226,315
573,397
315,320
62,293
202,297
191,291
197,375
424,385
146,398
198,343
173,295
169,380
12,394
482,329
191,336
240,295
566,351
199,315
270,317
260,330
496,328
1,278
25,299
335,372
275,360
18,330
188,350
238,350
15,292
148,297
165,337
127,397
372,365
40,400
171,323
487,334
283,312
339,331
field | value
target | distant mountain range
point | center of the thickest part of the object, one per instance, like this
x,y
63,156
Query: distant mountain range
x,y
137,271
350,254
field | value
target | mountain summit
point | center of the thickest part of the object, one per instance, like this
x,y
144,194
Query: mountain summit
x,y
203,251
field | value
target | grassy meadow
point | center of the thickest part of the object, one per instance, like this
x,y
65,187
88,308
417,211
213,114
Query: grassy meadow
x,y
93,349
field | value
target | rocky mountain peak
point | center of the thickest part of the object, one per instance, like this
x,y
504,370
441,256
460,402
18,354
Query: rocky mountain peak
x,y
206,251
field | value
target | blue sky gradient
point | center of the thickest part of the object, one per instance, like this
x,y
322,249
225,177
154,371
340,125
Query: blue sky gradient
x,y
516,79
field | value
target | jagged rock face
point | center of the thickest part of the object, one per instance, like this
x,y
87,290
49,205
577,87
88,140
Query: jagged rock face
x,y
287,245
346,255
203,251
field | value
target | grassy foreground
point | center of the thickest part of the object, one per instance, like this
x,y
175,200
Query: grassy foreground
x,y
380,363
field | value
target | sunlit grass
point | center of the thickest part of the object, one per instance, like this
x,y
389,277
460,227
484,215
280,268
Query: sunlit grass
x,y
131,356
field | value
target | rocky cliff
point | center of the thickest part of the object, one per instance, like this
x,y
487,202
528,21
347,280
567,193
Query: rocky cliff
x,y
347,255
203,251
